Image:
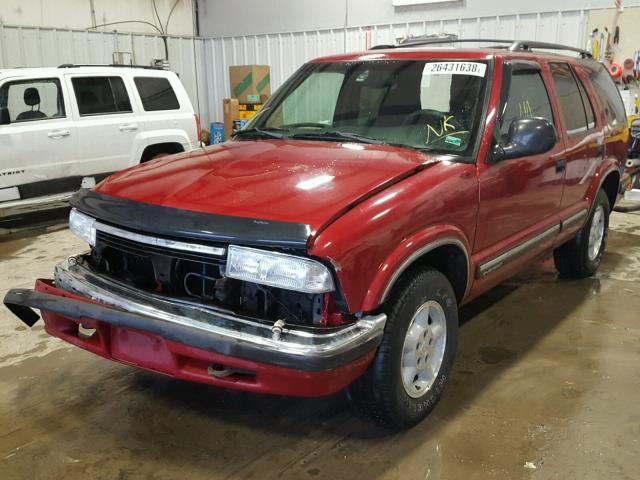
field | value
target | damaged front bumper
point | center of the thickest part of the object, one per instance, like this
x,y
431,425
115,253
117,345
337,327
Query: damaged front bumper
x,y
193,341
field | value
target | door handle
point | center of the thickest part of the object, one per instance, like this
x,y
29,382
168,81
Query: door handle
x,y
561,165
57,134
128,127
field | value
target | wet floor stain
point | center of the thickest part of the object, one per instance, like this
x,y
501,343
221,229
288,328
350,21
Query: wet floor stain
x,y
494,355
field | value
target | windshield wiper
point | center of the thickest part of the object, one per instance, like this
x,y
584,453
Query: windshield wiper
x,y
330,135
413,147
261,132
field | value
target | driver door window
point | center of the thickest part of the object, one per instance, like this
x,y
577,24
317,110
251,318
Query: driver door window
x,y
527,98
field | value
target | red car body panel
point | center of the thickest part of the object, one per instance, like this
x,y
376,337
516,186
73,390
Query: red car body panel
x,y
297,181
383,231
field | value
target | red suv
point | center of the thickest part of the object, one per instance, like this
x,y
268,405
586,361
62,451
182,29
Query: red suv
x,y
331,243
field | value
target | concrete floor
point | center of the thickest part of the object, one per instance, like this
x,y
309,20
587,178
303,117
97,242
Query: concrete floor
x,y
546,385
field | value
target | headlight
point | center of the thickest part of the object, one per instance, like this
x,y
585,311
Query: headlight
x,y
83,226
278,270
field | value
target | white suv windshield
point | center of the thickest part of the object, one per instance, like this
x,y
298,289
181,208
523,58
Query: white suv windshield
x,y
418,104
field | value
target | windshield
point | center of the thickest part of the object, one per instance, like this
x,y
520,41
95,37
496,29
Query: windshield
x,y
428,105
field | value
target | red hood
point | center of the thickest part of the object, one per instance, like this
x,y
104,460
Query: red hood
x,y
308,182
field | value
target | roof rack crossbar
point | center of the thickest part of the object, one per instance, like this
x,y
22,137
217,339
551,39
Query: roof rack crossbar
x,y
75,65
436,41
528,45
512,45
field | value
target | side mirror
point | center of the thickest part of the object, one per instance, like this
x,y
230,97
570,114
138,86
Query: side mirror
x,y
5,119
527,136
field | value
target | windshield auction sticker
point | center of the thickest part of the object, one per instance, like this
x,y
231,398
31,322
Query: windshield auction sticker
x,y
455,68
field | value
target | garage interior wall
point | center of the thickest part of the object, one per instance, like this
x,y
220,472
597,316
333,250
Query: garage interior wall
x,y
81,14
628,22
285,52
51,47
219,18
203,63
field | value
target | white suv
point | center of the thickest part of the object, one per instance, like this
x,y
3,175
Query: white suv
x,y
69,127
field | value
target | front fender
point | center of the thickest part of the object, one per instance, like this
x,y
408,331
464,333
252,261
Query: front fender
x,y
369,245
408,252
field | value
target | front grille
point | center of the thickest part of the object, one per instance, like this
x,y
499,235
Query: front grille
x,y
142,248
194,275
159,269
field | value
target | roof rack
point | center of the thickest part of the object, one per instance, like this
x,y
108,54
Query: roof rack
x,y
528,45
75,65
512,45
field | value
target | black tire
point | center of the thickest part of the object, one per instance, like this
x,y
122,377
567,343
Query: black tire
x,y
380,392
572,258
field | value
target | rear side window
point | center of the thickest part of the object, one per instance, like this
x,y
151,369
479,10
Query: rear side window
x,y
527,98
101,95
156,94
31,100
573,111
588,107
609,96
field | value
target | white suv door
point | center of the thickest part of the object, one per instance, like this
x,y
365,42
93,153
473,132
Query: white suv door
x,y
106,120
38,138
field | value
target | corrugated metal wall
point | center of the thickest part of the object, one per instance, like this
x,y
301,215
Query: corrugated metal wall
x,y
204,62
285,52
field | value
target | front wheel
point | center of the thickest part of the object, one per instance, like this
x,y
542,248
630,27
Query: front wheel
x,y
580,257
413,363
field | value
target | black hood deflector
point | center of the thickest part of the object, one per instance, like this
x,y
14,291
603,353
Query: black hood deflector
x,y
186,224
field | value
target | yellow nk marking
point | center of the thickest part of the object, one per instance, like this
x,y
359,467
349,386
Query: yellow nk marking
x,y
431,129
445,126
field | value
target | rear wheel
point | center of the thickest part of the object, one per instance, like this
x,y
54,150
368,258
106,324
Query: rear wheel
x,y
414,360
581,256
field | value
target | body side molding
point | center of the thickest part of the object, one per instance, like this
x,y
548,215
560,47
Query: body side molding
x,y
573,219
505,257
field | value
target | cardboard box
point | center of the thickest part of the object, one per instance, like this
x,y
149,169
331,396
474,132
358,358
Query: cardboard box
x,y
231,112
248,110
236,115
250,83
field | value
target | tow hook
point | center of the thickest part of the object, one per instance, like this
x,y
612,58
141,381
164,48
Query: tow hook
x,y
277,328
219,371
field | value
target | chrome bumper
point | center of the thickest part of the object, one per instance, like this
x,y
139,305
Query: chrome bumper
x,y
204,327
